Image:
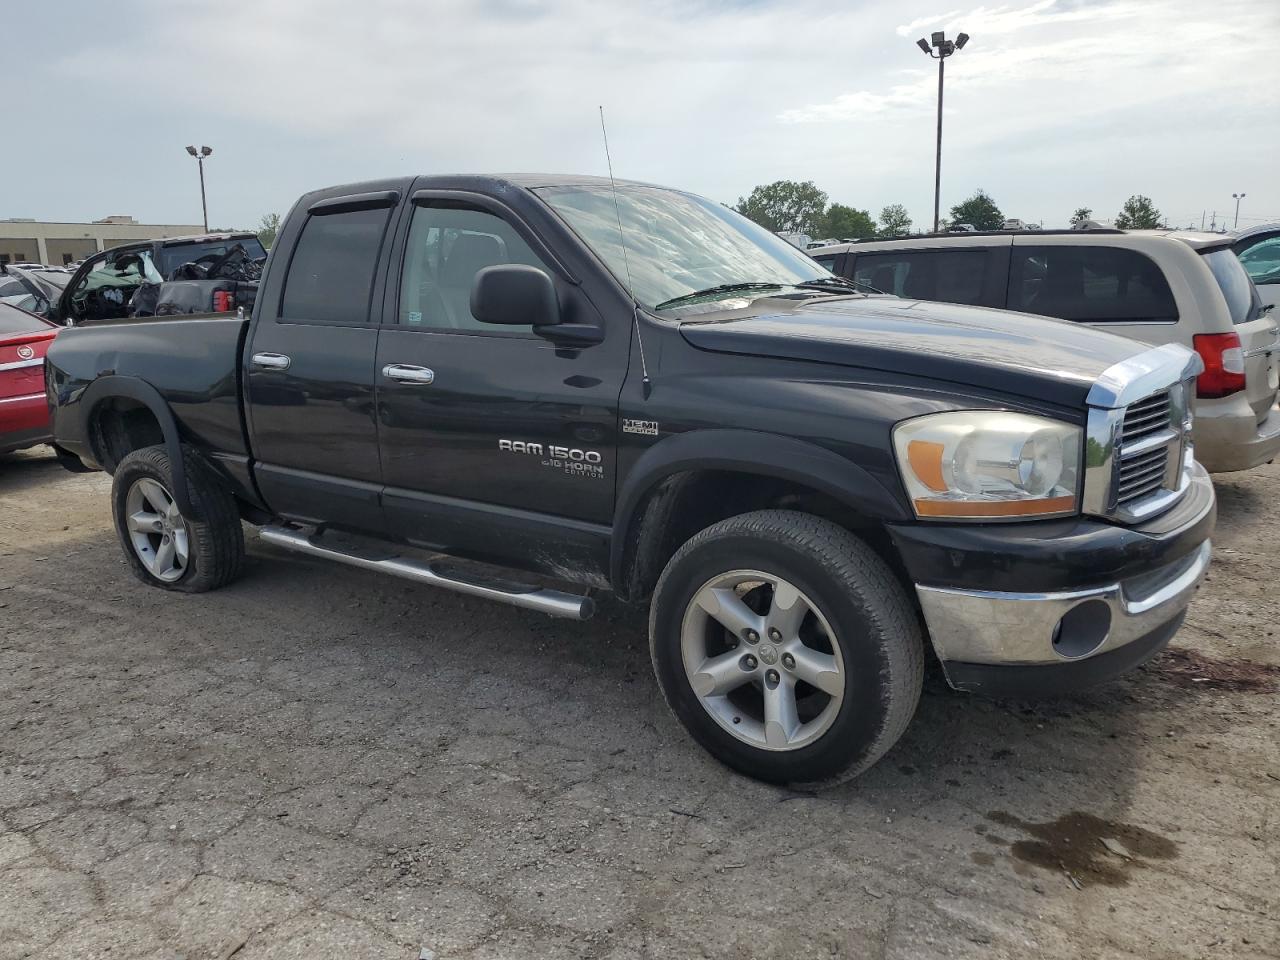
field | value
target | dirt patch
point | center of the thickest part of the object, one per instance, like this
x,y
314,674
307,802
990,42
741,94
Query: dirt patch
x,y
1195,671
1088,849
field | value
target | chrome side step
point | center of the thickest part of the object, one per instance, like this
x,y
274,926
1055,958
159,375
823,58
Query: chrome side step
x,y
529,597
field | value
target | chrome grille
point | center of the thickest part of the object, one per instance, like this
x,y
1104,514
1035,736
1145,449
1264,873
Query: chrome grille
x,y
1137,458
1145,418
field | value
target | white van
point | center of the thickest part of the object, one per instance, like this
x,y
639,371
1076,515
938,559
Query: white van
x,y
1152,285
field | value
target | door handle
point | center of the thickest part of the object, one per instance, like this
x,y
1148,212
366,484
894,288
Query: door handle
x,y
271,361
406,373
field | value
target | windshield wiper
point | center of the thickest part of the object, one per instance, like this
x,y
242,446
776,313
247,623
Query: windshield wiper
x,y
825,283
722,288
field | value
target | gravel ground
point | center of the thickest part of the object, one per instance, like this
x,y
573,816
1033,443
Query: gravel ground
x,y
320,762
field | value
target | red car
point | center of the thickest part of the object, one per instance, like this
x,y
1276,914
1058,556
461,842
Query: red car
x,y
24,411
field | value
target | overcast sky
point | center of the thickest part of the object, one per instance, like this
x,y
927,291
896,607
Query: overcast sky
x,y
1053,105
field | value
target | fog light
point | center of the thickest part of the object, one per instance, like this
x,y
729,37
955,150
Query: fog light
x,y
1082,630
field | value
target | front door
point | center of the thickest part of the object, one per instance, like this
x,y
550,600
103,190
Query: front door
x,y
310,371
494,442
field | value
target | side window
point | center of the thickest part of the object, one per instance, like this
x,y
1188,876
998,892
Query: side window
x,y
331,273
951,276
828,262
1088,283
1261,259
447,247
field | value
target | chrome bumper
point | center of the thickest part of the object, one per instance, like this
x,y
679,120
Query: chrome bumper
x,y
1040,629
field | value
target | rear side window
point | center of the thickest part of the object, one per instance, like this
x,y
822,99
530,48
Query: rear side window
x,y
1233,282
951,276
1261,259
331,273
1090,284
13,321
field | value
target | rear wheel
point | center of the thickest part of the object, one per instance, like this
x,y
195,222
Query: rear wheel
x,y
786,647
164,547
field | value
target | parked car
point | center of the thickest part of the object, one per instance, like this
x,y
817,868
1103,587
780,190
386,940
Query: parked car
x,y
33,290
1155,286
24,409
637,389
210,272
1259,251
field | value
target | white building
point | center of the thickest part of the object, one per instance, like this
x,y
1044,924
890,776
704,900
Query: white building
x,y
38,241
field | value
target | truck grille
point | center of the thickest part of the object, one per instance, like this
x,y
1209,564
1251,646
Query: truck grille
x,y
1137,457
1149,449
1145,418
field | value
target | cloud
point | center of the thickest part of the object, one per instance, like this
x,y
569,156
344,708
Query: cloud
x,y
1052,105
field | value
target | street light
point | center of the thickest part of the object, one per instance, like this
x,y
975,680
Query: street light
x,y
1237,197
938,41
200,155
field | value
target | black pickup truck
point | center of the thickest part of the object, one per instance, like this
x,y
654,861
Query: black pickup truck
x,y
634,389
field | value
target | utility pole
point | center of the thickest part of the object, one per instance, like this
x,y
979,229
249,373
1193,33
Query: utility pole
x,y
1237,197
200,155
944,48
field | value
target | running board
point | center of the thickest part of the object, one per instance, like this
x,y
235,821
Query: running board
x,y
529,597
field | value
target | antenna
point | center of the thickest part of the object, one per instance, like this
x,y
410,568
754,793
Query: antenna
x,y
626,262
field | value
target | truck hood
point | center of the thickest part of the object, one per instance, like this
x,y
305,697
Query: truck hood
x,y
1014,353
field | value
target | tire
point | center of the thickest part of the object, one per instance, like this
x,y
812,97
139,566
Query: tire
x,y
859,640
213,538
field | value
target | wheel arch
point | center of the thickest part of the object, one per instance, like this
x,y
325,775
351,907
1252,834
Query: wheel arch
x,y
667,476
103,391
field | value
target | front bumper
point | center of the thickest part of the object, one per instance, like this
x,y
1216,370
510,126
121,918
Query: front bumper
x,y
1118,594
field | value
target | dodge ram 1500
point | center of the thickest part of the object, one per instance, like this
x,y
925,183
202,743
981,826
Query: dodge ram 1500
x,y
631,388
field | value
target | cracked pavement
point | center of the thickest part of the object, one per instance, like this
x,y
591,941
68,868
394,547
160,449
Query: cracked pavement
x,y
322,762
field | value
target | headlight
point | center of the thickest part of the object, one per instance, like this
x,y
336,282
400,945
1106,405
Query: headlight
x,y
983,464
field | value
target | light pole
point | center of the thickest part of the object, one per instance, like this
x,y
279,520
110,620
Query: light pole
x,y
944,48
1237,197
200,155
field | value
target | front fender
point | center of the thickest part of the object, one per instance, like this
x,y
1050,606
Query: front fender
x,y
749,452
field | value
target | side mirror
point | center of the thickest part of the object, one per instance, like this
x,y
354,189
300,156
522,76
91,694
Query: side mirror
x,y
514,294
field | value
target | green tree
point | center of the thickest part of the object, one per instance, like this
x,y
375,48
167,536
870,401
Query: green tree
x,y
894,221
1081,215
785,205
979,210
843,222
1139,213
268,227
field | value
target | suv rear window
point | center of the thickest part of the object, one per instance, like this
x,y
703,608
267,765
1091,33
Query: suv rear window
x,y
331,274
951,276
1089,283
1234,283
13,320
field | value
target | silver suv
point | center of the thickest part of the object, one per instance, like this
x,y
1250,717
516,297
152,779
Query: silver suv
x,y
1150,285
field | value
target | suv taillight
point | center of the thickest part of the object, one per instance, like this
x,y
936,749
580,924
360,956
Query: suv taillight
x,y
1223,364
224,301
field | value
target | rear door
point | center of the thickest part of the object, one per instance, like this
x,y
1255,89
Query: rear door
x,y
1257,329
309,367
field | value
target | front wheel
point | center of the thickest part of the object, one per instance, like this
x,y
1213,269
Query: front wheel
x,y
786,647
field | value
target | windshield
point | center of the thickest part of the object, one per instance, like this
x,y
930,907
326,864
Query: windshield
x,y
677,243
1233,282
172,257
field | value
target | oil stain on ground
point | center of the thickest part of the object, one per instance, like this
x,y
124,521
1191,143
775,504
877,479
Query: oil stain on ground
x,y
1195,671
1088,849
